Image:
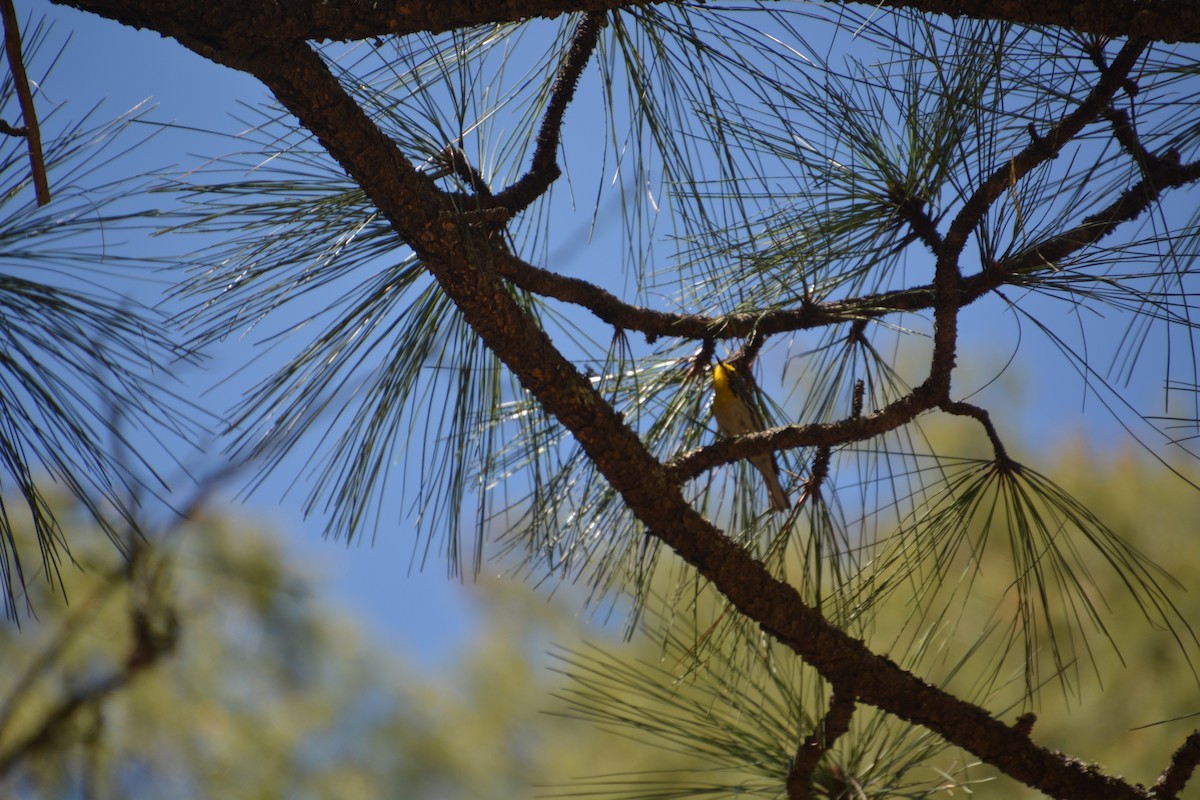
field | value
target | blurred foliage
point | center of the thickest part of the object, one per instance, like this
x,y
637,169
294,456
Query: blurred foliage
x,y
274,692
271,691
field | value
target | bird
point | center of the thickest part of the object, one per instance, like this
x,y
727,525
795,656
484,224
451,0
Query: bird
x,y
736,412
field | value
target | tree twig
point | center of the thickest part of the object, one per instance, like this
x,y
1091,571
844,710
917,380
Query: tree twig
x,y
33,134
1162,173
1183,763
981,415
836,722
545,170
912,210
852,429
454,161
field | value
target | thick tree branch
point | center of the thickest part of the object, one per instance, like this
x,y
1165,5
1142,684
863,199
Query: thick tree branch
x,y
240,23
320,20
1161,20
224,23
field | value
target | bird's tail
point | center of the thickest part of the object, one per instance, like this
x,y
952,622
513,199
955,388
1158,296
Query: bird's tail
x,y
766,465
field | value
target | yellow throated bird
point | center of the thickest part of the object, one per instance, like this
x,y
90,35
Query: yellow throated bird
x,y
736,412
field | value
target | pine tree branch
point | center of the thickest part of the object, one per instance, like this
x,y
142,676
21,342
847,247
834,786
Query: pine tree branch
x,y
1040,150
951,291
454,161
341,20
981,415
1161,173
461,262
203,25
154,634
545,169
303,84
912,210
66,635
1160,20
609,308
853,429
238,23
947,276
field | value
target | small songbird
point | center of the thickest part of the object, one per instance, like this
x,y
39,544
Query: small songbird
x,y
736,412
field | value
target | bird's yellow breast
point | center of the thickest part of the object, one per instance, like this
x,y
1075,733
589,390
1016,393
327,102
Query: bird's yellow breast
x,y
723,378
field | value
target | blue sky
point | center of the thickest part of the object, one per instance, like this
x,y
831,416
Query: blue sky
x,y
123,67
421,614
